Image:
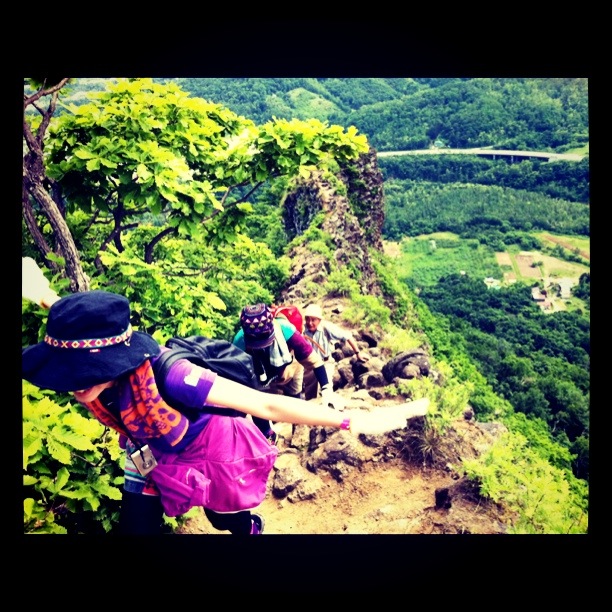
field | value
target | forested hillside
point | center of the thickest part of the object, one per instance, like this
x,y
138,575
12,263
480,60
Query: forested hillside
x,y
496,214
560,179
538,362
397,114
412,113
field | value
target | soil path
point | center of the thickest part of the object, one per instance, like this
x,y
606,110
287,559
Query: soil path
x,y
567,245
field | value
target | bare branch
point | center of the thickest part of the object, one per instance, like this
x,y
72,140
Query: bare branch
x,y
27,100
151,246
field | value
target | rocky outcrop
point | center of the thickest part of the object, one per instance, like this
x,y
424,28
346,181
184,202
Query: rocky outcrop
x,y
348,207
353,216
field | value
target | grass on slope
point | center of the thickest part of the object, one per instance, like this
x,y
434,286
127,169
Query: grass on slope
x,y
423,260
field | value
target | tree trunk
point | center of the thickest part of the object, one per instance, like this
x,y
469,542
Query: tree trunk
x,y
65,243
34,180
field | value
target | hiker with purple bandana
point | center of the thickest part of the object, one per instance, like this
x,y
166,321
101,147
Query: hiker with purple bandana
x,y
280,355
91,350
280,352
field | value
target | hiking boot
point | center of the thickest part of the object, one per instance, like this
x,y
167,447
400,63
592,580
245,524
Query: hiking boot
x,y
257,524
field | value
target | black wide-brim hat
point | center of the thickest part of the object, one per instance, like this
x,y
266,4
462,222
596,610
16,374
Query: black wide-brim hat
x,y
89,341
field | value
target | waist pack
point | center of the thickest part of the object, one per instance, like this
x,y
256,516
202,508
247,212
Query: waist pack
x,y
225,469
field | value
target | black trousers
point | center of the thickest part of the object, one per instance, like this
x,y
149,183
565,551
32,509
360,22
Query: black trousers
x,y
140,514
143,515
238,523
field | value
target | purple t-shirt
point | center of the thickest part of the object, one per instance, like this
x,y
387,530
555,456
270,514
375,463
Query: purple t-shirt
x,y
190,385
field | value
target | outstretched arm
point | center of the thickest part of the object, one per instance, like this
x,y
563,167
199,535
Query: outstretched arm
x,y
286,409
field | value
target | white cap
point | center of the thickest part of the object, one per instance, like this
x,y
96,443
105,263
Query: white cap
x,y
313,310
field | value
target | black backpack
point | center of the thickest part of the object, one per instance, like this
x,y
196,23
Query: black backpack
x,y
220,356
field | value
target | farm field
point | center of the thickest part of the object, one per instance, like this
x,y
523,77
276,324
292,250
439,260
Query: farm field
x,y
424,259
580,244
535,265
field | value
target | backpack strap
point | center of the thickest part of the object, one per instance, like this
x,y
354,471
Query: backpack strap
x,y
161,367
162,364
313,341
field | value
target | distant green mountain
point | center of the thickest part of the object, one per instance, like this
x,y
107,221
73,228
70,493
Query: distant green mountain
x,y
545,114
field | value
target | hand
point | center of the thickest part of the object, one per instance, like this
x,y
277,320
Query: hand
x,y
415,408
386,418
34,285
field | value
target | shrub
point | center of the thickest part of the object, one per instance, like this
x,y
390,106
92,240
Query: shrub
x,y
71,469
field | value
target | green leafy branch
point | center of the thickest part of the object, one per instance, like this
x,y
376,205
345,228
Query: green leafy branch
x,y
70,467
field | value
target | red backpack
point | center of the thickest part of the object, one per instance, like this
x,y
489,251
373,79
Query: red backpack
x,y
292,314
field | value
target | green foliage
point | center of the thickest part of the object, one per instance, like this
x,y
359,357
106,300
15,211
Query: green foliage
x,y
193,288
322,247
266,223
583,290
425,260
450,347
419,207
366,310
536,431
539,362
448,401
307,105
410,113
426,443
566,180
395,291
144,148
514,114
402,339
581,463
424,207
263,98
314,234
161,156
33,322
34,317
341,283
513,474
71,470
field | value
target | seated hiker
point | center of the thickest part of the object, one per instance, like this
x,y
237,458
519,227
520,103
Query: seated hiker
x,y
323,335
91,351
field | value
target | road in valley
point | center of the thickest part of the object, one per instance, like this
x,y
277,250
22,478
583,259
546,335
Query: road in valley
x,y
487,152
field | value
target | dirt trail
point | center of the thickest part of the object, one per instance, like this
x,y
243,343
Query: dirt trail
x,y
389,497
566,245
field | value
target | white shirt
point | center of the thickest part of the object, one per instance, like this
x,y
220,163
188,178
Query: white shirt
x,y
326,335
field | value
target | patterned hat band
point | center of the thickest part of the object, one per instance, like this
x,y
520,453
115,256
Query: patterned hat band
x,y
93,343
